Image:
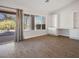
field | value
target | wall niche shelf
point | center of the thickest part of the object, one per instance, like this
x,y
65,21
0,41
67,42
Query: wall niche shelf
x,y
76,20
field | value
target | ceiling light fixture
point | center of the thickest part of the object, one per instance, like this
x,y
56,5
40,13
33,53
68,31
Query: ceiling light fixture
x,y
46,1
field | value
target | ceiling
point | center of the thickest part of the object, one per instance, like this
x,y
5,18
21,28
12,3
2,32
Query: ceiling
x,y
36,5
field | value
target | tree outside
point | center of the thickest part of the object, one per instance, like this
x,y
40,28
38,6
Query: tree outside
x,y
8,23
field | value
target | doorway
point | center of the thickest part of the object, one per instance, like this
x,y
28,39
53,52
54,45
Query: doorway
x,y
7,26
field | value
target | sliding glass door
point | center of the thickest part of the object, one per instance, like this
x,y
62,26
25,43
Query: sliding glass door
x,y
7,26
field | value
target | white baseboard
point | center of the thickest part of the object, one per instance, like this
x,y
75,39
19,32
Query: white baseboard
x,y
34,36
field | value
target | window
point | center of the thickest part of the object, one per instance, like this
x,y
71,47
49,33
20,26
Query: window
x,y
27,22
39,23
32,22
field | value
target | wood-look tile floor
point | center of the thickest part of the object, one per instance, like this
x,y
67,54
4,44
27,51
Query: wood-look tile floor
x,y
41,47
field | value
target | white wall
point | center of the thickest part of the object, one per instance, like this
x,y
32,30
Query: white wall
x,y
51,24
66,20
66,15
32,33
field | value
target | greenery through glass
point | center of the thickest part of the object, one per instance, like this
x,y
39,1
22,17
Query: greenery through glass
x,y
7,23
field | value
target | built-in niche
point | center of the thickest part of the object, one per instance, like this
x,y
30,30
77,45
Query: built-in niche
x,y
76,20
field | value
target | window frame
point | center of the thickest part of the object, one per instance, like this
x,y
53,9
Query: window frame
x,y
41,22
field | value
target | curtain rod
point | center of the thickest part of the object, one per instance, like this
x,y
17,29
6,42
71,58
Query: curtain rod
x,y
9,7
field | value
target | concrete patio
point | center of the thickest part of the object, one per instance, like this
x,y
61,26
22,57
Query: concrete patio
x,y
6,37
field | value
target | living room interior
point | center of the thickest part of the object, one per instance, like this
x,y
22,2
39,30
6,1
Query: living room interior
x,y
39,28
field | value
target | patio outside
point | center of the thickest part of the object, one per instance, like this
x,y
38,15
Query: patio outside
x,y
7,27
